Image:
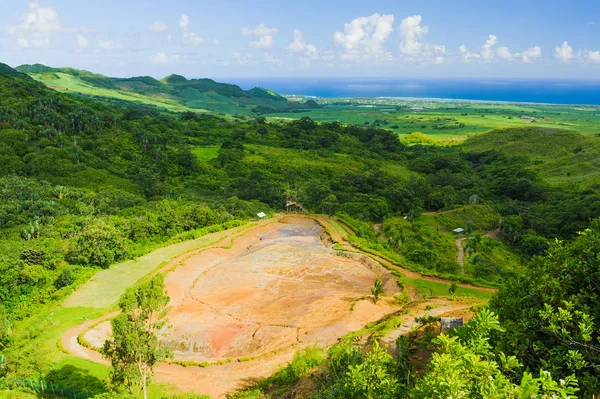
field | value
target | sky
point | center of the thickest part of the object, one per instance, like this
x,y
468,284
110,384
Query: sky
x,y
326,38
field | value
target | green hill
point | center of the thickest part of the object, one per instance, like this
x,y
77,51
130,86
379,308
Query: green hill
x,y
174,92
560,156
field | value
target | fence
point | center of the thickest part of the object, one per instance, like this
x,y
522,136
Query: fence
x,y
44,389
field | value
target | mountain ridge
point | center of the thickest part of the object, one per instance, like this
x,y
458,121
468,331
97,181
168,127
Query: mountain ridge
x,y
190,94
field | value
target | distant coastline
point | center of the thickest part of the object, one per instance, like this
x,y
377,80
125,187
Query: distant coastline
x,y
533,91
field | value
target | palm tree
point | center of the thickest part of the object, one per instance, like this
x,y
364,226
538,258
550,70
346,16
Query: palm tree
x,y
377,289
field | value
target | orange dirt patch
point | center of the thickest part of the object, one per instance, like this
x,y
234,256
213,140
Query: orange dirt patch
x,y
280,287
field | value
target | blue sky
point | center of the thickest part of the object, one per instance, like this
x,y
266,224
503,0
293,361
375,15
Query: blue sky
x,y
241,38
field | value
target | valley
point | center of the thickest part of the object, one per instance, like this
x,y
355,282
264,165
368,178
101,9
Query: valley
x,y
112,194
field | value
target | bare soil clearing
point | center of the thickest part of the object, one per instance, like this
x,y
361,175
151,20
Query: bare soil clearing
x,y
280,287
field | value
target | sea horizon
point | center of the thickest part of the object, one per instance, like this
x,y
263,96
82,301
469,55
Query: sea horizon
x,y
513,90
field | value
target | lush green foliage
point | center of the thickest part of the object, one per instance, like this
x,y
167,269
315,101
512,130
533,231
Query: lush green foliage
x,y
465,365
551,313
135,348
85,184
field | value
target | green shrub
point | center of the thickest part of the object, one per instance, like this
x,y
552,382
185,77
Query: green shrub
x,y
99,244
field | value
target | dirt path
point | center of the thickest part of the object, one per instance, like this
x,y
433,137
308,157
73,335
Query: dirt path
x,y
460,258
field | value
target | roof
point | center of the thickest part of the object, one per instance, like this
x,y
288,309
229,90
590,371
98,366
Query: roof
x,y
261,215
458,230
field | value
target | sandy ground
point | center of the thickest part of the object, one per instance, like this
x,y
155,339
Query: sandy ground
x,y
280,287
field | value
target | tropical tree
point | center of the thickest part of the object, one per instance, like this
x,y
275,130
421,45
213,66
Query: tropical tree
x,y
135,347
60,191
377,290
452,288
374,378
466,366
330,203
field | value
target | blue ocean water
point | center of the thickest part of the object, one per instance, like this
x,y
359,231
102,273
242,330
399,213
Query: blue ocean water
x,y
551,91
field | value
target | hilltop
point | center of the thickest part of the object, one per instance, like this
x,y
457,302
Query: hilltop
x,y
174,92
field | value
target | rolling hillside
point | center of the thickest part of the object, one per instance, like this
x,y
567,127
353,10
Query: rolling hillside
x,y
174,92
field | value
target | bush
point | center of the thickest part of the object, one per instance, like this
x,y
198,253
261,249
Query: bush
x,y
64,279
33,256
99,244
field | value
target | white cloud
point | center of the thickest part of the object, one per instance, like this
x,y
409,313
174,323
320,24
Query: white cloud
x,y
307,52
159,26
260,30
81,43
164,59
487,50
565,52
593,56
109,45
504,53
243,59
532,52
411,32
466,55
189,37
264,34
36,27
263,42
216,42
363,38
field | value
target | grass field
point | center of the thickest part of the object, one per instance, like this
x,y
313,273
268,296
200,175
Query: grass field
x,y
107,286
425,289
66,82
205,154
445,119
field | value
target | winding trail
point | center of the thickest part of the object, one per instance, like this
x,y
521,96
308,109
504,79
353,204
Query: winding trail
x,y
460,258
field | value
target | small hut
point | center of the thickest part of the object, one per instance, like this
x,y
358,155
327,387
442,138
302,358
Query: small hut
x,y
459,231
449,323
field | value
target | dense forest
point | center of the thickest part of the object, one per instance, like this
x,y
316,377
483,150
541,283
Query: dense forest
x,y
85,184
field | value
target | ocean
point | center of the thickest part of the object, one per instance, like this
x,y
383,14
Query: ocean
x,y
549,91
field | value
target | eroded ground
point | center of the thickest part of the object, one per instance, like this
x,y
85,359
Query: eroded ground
x,y
280,287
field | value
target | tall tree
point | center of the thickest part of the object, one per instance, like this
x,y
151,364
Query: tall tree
x,y
135,348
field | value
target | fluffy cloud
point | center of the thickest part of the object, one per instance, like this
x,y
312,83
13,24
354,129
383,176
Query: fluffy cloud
x,y
81,43
532,52
108,45
36,27
504,53
565,52
364,37
593,56
466,55
487,50
159,26
264,34
411,32
307,52
189,37
164,59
